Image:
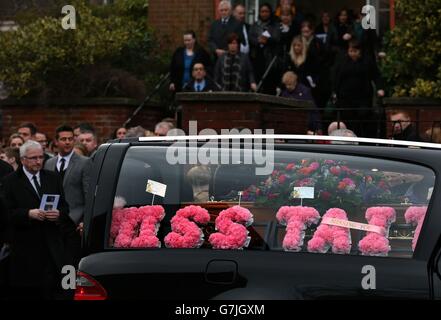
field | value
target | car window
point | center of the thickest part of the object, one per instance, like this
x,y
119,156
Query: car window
x,y
306,202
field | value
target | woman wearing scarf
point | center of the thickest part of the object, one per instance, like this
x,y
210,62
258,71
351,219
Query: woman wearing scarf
x,y
264,40
233,70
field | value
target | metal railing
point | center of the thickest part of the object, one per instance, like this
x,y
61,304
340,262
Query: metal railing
x,y
158,87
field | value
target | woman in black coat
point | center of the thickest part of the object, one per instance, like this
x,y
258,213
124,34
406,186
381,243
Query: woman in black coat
x,y
304,66
264,41
352,83
183,60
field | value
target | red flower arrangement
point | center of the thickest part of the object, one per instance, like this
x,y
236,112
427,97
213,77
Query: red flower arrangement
x,y
336,185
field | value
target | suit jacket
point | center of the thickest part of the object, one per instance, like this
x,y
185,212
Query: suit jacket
x,y
5,169
210,86
39,249
217,38
75,183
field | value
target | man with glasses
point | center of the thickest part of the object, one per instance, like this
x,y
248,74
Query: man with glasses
x,y
200,82
73,170
41,242
403,128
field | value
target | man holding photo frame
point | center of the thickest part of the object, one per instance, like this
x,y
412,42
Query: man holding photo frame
x,y
41,242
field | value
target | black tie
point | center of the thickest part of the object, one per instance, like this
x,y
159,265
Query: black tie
x,y
62,164
37,186
62,171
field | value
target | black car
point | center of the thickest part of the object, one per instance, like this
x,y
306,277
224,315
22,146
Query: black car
x,y
280,218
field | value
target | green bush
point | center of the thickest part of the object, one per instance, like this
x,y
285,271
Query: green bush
x,y
108,54
413,63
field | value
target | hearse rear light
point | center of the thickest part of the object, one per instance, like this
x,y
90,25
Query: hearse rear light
x,y
87,288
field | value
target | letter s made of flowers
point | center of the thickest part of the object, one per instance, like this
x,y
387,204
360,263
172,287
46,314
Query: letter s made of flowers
x,y
231,224
185,232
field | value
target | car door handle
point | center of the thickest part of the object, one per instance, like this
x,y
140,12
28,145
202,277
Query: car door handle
x,y
221,272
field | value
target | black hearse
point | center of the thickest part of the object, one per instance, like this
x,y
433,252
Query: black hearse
x,y
351,174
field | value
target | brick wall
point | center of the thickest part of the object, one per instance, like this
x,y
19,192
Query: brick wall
x,y
172,17
105,115
227,110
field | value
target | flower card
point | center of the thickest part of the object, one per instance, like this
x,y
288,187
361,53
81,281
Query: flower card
x,y
303,193
156,188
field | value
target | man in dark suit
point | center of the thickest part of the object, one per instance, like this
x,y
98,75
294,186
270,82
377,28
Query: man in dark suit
x,y
200,82
73,170
41,242
5,169
239,13
222,28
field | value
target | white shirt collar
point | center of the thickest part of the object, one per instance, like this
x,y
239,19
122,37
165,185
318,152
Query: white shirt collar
x,y
30,175
66,158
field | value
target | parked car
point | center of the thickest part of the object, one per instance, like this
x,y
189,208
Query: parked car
x,y
324,221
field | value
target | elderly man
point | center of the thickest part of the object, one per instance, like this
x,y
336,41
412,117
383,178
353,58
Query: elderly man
x,y
343,133
220,29
73,170
335,126
41,242
162,128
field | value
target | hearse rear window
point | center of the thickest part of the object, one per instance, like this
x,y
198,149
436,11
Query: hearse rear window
x,y
294,202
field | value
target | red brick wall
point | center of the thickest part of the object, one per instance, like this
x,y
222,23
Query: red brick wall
x,y
105,117
233,110
172,17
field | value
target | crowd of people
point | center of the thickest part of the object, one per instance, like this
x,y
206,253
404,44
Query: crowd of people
x,y
334,62
35,241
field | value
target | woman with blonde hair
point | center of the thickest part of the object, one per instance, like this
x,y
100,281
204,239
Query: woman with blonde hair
x,y
302,65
